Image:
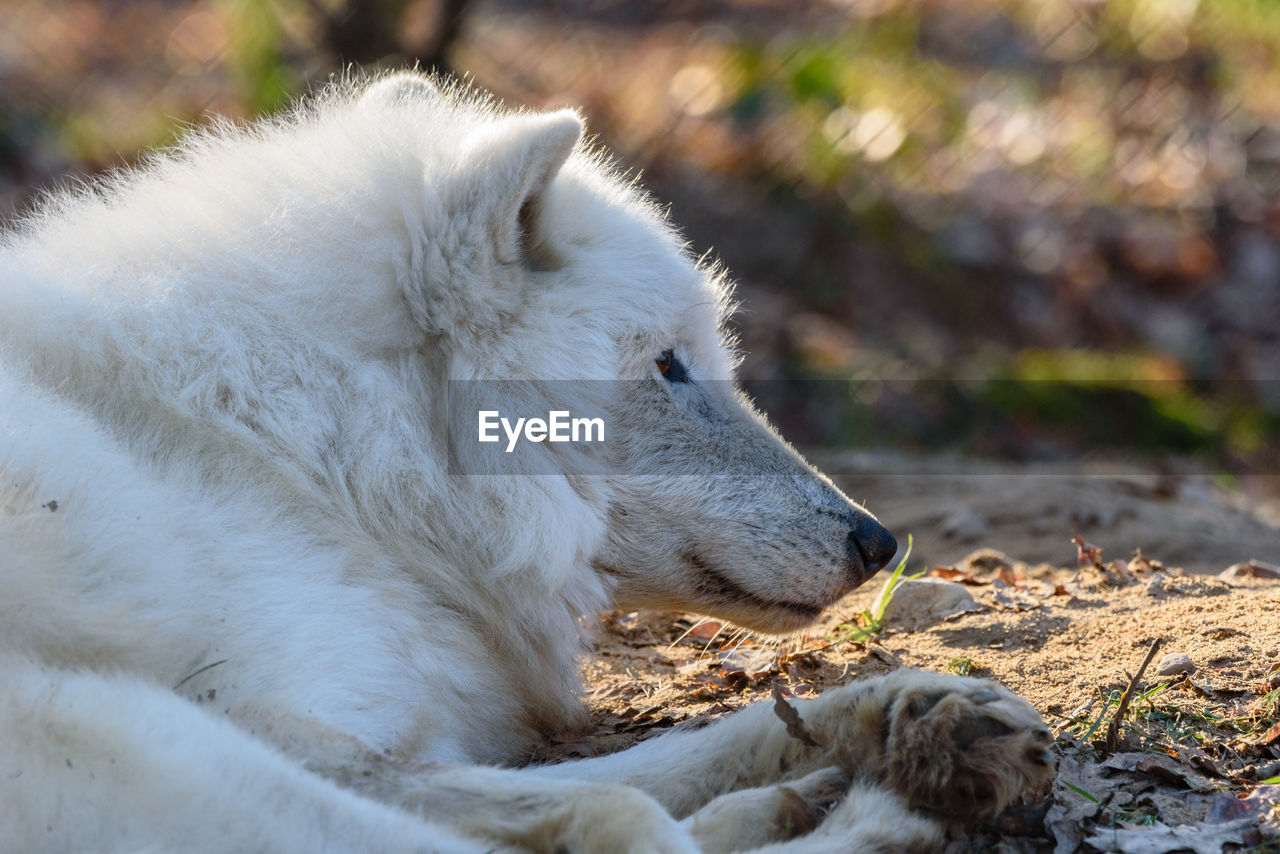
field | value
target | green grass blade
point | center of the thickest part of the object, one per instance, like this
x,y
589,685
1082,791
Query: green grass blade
x,y
886,594
1081,792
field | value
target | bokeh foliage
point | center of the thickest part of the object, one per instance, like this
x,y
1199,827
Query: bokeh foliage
x,y
1039,228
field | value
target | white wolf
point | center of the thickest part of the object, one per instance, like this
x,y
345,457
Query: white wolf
x,y
246,603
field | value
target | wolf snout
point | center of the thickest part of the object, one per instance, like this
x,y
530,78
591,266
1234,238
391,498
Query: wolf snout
x,y
868,548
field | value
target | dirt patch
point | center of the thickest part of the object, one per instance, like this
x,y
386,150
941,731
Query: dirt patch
x,y
1194,762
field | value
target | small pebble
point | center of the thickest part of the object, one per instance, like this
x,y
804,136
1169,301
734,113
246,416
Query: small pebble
x,y
1175,664
918,603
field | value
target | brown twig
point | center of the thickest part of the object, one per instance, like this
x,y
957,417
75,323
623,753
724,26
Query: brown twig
x,y
1113,728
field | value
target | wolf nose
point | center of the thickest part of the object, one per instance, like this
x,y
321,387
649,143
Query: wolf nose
x,y
870,545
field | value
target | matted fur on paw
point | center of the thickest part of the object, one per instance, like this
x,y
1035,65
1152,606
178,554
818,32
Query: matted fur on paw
x,y
961,747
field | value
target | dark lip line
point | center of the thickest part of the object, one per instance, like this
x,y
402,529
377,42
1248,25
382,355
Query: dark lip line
x,y
716,584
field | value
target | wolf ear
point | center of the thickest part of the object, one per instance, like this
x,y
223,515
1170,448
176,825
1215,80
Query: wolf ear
x,y
403,88
520,158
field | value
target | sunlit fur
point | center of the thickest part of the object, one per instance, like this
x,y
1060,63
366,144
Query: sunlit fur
x,y
234,564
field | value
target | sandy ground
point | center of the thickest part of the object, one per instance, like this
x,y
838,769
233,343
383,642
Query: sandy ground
x,y
1194,751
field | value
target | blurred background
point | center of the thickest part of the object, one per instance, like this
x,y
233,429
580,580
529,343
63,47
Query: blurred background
x,y
971,236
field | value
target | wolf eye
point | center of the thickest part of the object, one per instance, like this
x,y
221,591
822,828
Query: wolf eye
x,y
671,368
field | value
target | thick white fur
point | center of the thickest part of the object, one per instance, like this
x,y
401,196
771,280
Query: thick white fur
x,y
243,603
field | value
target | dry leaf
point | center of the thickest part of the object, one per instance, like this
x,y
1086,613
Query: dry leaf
x,y
1164,768
1077,794
1251,569
791,718
1087,554
1007,574
706,630
952,574
754,663
1162,839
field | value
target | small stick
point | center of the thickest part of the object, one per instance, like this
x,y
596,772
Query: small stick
x,y
191,676
1113,728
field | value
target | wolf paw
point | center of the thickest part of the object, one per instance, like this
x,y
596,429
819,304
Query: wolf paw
x,y
615,818
748,818
870,820
961,747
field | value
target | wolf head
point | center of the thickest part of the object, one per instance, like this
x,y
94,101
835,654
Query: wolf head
x,y
538,263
